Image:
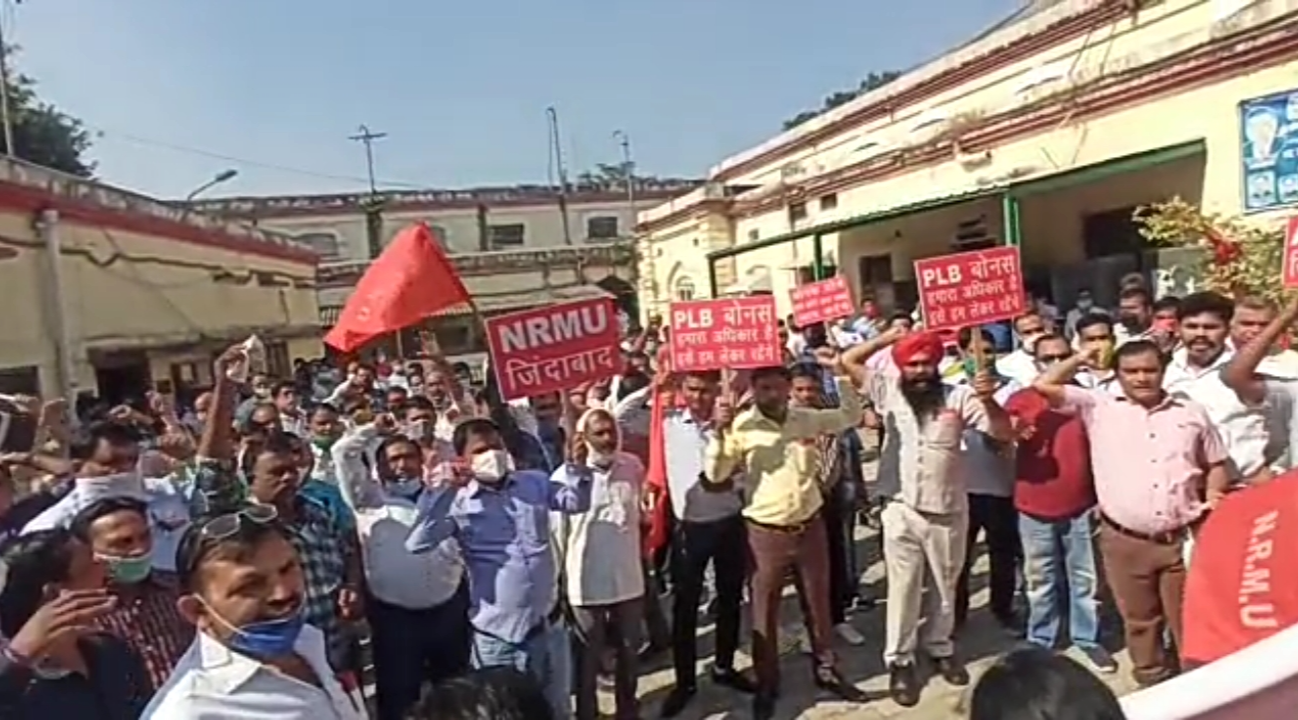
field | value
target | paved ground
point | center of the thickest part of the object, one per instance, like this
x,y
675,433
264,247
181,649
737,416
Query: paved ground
x,y
979,644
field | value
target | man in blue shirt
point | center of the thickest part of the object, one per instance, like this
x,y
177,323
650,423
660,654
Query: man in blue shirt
x,y
501,518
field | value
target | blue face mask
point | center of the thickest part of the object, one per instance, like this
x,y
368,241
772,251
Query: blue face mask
x,y
407,488
266,639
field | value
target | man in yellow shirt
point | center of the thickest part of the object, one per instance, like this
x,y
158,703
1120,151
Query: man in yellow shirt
x,y
776,445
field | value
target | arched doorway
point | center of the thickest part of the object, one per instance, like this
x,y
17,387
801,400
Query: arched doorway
x,y
624,294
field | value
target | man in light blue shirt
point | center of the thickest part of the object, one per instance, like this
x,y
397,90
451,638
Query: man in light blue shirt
x,y
501,518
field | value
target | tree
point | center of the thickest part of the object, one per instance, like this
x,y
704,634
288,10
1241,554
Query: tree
x,y
42,133
1237,258
871,82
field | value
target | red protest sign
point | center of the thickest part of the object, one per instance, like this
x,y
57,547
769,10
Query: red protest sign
x,y
820,301
970,288
1291,253
729,333
554,348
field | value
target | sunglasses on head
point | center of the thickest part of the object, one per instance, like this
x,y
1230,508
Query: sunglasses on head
x,y
225,526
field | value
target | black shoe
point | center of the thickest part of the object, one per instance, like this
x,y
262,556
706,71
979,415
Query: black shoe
x,y
828,679
734,680
677,700
951,671
763,706
903,686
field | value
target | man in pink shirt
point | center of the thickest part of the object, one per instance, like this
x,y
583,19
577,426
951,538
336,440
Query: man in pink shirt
x,y
1159,465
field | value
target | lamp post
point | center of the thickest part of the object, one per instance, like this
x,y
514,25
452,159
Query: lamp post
x,y
223,176
628,173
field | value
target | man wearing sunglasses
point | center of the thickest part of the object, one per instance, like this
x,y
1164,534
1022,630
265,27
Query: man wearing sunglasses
x,y
330,563
254,655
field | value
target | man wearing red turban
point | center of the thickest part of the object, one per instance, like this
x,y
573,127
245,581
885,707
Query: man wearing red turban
x,y
921,481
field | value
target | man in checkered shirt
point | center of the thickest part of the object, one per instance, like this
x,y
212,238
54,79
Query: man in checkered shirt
x,y
272,468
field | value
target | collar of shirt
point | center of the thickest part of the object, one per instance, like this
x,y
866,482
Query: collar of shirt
x,y
1179,367
225,670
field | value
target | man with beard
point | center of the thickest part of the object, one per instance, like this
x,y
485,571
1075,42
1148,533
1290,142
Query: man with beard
x,y
1195,373
776,444
1135,314
921,481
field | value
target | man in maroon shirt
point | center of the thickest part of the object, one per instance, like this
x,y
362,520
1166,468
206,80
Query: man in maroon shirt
x,y
1054,493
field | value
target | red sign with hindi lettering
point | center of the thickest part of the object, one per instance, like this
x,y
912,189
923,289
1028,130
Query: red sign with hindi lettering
x,y
729,333
554,348
970,288
1291,253
820,301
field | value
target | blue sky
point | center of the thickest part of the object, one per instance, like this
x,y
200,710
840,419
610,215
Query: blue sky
x,y
460,87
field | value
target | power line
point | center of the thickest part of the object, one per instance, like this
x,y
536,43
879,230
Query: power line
x,y
101,133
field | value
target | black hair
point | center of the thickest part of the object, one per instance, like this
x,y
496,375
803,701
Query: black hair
x,y
1167,302
712,376
779,371
471,428
195,548
900,315
965,337
281,386
33,561
1206,303
806,370
1093,319
324,407
277,442
87,438
1048,337
1132,348
249,426
1037,684
419,402
496,693
1134,291
80,525
815,335
381,452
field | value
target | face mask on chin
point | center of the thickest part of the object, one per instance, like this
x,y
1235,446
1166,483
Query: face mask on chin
x,y
265,639
406,488
128,570
491,466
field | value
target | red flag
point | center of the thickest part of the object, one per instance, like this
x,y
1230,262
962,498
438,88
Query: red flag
x,y
655,535
411,280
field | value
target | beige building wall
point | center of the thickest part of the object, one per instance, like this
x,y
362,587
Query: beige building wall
x,y
136,276
1131,49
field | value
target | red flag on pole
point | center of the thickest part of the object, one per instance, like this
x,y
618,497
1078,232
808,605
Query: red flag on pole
x,y
411,280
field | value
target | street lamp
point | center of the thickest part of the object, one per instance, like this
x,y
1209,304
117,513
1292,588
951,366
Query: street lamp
x,y
223,176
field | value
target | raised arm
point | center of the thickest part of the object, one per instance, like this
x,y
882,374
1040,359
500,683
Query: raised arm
x,y
725,450
216,481
355,481
854,359
1053,384
1240,374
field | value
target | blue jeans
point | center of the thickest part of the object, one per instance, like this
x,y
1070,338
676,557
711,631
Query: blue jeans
x,y
1059,557
546,655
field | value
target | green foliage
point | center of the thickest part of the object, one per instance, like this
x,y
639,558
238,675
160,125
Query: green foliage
x,y
1238,258
43,134
872,81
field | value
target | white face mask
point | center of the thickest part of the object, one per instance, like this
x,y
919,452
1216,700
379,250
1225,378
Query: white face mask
x,y
491,465
1084,304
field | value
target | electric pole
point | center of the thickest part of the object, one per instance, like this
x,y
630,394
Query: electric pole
x,y
556,156
6,118
367,138
628,174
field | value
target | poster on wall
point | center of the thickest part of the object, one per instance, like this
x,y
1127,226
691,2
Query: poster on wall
x,y
1269,149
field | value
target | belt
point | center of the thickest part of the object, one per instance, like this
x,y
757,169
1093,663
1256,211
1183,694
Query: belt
x,y
1167,537
797,529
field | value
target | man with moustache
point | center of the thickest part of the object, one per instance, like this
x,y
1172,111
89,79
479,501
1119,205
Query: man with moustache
x,y
921,480
1159,466
1261,377
776,445
1195,373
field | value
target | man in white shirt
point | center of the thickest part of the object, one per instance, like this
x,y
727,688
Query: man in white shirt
x,y
417,604
110,454
1020,365
1195,373
1261,382
253,655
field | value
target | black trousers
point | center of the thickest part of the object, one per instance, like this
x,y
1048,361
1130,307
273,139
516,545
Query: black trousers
x,y
416,646
723,543
999,521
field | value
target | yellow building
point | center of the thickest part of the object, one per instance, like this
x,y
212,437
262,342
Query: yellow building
x,y
1046,133
113,292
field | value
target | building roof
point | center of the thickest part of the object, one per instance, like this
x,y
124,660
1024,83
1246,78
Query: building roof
x,y
30,187
499,302
441,199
